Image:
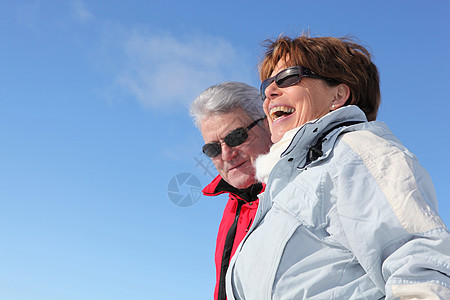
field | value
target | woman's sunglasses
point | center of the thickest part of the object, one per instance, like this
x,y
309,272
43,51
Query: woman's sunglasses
x,y
289,77
232,139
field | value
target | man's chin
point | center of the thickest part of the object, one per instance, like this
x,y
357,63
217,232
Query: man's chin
x,y
242,182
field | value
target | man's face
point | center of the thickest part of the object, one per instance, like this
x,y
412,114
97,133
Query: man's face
x,y
236,164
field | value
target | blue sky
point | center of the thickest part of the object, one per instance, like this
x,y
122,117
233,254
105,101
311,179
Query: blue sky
x,y
95,131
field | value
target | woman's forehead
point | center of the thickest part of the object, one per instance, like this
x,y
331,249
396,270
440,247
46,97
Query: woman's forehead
x,y
281,65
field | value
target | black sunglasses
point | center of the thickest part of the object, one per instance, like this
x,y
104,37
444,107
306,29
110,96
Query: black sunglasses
x,y
232,139
288,77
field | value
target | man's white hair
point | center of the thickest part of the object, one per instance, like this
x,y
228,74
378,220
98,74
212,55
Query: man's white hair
x,y
223,98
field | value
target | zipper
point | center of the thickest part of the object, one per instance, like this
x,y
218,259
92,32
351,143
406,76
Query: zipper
x,y
226,254
249,224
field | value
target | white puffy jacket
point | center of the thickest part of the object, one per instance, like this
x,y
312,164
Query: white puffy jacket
x,y
360,222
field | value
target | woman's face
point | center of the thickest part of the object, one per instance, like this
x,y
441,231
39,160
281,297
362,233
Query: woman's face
x,y
291,107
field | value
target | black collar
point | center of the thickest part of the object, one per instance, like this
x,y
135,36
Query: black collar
x,y
249,194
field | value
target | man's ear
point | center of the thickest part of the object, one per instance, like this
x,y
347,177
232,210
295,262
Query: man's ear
x,y
340,96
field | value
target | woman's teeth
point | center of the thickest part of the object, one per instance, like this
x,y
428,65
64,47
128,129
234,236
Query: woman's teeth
x,y
279,111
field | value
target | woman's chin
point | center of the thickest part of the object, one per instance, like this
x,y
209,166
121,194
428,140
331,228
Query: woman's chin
x,y
275,138
280,126
277,133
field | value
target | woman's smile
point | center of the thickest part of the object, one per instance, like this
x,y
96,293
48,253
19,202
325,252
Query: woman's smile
x,y
278,112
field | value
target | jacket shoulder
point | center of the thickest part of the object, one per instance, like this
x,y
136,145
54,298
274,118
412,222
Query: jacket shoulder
x,y
397,173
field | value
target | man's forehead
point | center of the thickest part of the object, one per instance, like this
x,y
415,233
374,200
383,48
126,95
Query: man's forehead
x,y
225,122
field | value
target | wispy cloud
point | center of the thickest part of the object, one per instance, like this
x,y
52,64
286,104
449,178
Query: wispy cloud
x,y
80,12
160,70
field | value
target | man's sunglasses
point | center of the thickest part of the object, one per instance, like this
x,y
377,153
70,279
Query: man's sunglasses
x,y
289,77
232,139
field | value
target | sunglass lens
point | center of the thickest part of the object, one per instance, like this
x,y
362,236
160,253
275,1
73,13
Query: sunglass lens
x,y
288,79
264,86
236,137
211,149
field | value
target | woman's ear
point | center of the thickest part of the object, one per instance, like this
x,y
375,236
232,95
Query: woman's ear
x,y
342,93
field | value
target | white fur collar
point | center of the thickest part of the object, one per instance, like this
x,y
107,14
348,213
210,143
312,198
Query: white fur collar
x,y
265,163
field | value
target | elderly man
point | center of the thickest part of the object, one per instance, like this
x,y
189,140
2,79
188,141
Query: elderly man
x,y
231,119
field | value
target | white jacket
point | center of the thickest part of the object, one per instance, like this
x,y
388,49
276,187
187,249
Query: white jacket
x,y
360,222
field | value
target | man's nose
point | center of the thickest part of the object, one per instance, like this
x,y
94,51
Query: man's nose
x,y
228,153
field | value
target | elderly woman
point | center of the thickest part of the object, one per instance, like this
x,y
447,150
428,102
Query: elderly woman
x,y
348,212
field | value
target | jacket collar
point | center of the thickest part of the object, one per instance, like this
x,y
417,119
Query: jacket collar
x,y
310,132
219,186
265,162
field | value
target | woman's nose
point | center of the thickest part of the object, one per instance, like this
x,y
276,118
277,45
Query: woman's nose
x,y
272,91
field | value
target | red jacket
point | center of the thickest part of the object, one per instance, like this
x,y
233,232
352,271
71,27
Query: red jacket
x,y
236,220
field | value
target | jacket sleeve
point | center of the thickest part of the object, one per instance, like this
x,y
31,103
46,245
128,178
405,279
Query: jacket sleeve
x,y
387,211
